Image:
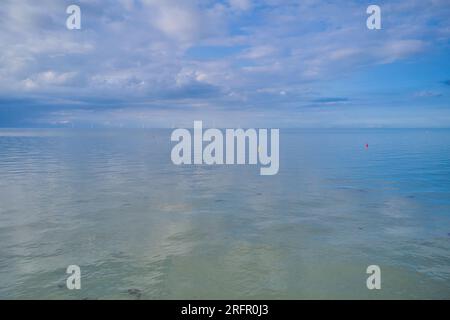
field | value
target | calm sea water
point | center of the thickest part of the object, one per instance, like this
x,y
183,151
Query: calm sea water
x,y
114,204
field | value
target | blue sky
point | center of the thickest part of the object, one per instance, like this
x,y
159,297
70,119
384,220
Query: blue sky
x,y
267,63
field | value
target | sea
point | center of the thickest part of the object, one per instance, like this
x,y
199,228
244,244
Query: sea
x,y
139,227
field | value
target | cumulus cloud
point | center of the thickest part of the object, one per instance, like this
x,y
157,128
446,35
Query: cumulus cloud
x,y
268,54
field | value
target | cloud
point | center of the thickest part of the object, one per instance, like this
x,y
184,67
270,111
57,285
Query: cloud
x,y
427,94
398,49
241,5
330,100
244,55
49,78
258,52
177,20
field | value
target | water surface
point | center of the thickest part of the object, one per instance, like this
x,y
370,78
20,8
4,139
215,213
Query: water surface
x,y
112,202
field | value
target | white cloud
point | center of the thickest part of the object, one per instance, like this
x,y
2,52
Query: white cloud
x,y
398,49
48,78
257,52
140,50
176,20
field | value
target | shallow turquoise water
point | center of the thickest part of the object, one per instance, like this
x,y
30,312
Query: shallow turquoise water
x,y
112,202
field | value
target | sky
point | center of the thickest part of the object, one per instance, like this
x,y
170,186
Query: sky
x,y
229,63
